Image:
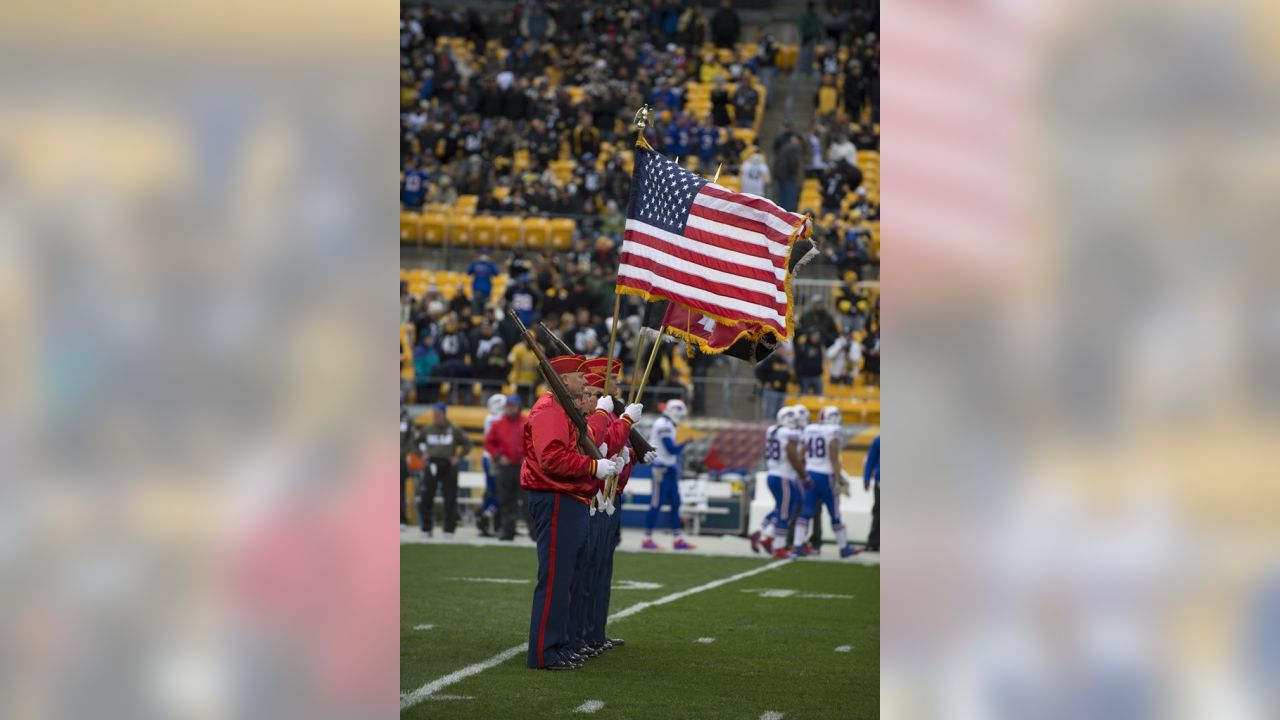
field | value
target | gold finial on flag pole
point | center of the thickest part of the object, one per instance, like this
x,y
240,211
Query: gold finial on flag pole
x,y
718,169
643,119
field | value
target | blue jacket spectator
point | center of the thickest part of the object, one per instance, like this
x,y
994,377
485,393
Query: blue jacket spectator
x,y
413,188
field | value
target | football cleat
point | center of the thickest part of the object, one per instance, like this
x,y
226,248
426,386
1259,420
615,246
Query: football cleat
x,y
617,642
782,553
803,551
755,541
849,551
682,545
562,665
768,544
649,544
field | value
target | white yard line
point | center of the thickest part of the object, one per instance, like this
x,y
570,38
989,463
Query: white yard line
x,y
500,581
705,641
845,648
589,706
408,700
452,697
423,627
771,715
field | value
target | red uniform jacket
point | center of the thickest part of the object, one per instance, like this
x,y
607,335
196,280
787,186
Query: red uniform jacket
x,y
552,462
616,431
506,438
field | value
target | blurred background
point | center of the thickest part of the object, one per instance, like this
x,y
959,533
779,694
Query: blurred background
x,y
1084,503
195,433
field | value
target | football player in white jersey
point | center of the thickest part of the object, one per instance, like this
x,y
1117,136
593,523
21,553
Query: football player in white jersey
x,y
784,461
489,508
822,443
666,475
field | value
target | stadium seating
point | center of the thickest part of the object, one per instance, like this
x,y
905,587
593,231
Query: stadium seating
x,y
561,234
433,229
507,232
410,227
537,232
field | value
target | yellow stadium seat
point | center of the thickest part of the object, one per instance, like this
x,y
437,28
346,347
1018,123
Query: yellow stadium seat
x,y
507,232
521,160
561,234
458,229
433,227
563,169
410,227
485,231
733,182
536,232
441,208
746,135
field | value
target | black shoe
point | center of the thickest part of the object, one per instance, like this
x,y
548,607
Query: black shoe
x,y
482,524
590,651
561,665
506,539
617,642
604,647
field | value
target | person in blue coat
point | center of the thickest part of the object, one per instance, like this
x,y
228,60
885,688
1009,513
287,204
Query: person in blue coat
x,y
871,474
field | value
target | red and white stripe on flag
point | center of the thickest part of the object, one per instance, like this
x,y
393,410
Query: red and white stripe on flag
x,y
728,259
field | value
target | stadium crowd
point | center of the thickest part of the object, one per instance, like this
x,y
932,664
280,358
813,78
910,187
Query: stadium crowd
x,y
529,111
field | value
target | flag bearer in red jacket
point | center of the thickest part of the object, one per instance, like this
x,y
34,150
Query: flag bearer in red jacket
x,y
560,481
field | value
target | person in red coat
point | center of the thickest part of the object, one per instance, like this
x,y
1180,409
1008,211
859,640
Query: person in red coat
x,y
560,481
505,444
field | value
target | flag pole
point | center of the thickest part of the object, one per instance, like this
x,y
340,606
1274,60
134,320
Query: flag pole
x,y
613,338
653,355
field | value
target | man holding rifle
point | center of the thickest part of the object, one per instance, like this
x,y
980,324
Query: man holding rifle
x,y
561,482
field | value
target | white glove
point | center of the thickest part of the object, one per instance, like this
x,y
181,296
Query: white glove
x,y
650,456
634,411
599,498
605,403
604,449
623,457
605,468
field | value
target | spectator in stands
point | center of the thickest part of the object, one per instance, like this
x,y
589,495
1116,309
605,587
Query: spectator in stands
x,y
766,64
810,33
505,445
745,101
708,140
814,164
413,187
692,28
586,137
523,298
871,353
774,373
454,348
755,175
524,373
489,358
790,171
443,445
408,447
614,222
444,192
678,140
721,102
810,352
537,24
818,318
583,332
425,360
482,271
726,26
844,358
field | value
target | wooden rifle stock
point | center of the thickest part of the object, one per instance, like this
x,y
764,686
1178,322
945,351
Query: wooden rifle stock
x,y
559,391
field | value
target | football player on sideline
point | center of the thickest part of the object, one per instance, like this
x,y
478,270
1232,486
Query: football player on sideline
x,y
784,464
666,475
822,442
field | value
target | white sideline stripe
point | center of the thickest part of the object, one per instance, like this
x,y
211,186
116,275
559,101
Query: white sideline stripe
x,y
705,641
771,715
423,627
505,581
408,700
845,648
589,706
693,591
453,697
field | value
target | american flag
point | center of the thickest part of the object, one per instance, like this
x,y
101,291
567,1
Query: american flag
x,y
721,253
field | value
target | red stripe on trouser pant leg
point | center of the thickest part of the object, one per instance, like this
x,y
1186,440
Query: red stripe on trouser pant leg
x,y
551,581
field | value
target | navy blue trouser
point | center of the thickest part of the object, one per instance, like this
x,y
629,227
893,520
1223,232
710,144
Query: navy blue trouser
x,y
611,535
583,589
560,529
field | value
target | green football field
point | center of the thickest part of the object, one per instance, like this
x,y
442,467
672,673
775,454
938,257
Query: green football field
x,y
792,640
